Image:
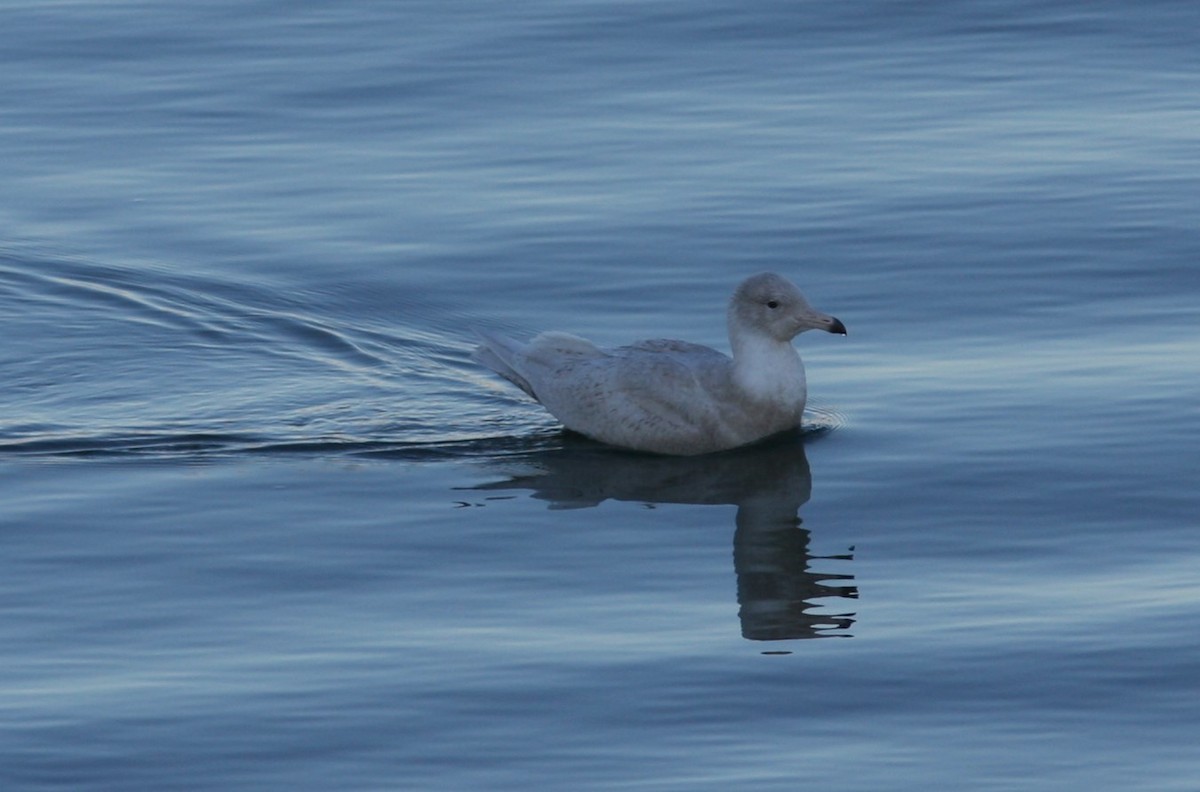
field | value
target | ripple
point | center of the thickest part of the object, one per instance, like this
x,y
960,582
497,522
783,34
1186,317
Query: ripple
x,y
109,360
821,420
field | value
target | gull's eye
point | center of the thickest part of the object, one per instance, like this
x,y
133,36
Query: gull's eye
x,y
772,304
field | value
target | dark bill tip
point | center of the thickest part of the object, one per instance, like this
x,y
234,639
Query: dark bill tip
x,y
837,328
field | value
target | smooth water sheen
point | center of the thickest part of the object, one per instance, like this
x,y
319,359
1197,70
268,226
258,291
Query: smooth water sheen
x,y
264,525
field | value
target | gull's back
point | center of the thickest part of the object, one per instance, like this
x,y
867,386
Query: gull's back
x,y
663,396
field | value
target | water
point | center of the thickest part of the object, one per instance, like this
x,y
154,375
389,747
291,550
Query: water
x,y
265,525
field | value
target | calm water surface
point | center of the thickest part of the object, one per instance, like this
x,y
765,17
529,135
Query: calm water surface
x,y
263,525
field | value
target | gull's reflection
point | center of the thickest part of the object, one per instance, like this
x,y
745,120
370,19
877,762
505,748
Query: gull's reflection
x,y
777,587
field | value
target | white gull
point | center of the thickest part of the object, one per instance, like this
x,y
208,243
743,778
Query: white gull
x,y
674,397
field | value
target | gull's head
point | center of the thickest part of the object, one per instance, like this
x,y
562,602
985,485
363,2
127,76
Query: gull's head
x,y
771,305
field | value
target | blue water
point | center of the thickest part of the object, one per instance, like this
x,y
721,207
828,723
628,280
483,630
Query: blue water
x,y
263,525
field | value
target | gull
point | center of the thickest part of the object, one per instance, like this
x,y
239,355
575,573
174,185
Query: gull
x,y
665,396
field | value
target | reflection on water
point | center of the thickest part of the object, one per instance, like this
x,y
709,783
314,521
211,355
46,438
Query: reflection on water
x,y
777,587
779,592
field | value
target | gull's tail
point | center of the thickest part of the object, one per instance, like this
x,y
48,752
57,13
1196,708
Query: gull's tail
x,y
498,352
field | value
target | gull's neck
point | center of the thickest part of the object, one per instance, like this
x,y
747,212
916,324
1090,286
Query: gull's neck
x,y
767,369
